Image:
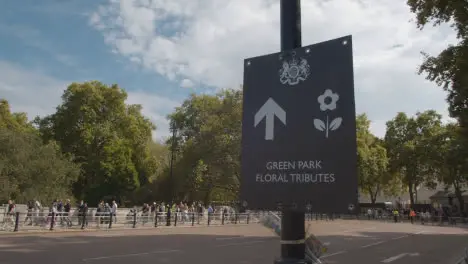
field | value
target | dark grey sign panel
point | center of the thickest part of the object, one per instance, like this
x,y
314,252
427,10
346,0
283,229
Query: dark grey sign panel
x,y
299,129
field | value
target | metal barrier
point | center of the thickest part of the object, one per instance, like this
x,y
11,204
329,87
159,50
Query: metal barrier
x,y
22,221
52,221
433,220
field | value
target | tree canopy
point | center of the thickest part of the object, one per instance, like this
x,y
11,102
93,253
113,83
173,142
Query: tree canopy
x,y
28,168
108,138
96,146
449,68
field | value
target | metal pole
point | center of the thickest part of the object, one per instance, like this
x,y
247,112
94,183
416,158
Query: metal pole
x,y
171,177
290,24
292,220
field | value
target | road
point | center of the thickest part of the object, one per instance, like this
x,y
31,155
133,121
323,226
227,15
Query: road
x,y
349,242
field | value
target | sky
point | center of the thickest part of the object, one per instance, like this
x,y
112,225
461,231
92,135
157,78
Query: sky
x,y
161,51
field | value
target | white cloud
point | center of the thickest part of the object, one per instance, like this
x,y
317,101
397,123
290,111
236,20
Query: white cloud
x,y
28,91
211,38
186,83
37,94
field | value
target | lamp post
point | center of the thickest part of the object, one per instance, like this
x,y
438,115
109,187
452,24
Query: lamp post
x,y
171,176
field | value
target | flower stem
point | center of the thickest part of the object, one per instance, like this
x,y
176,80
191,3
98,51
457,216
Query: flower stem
x,y
326,133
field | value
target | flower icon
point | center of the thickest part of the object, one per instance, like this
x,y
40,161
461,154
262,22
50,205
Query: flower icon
x,y
328,100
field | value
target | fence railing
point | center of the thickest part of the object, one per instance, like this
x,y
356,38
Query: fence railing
x,y
21,221
432,220
52,221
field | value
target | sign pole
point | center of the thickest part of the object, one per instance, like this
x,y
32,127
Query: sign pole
x,y
299,131
292,220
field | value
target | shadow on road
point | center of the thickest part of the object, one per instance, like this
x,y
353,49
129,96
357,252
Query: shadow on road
x,y
104,248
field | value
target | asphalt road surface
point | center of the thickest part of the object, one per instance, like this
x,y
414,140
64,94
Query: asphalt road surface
x,y
350,242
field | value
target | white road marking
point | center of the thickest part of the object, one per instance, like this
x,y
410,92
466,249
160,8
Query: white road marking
x,y
374,244
395,238
333,254
230,238
391,259
326,243
242,243
359,229
132,255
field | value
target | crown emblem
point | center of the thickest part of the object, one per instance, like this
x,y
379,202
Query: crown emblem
x,y
294,71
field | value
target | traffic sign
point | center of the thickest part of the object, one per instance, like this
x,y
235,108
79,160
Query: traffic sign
x,y
299,129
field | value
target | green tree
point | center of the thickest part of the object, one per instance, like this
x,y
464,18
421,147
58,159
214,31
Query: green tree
x,y
372,160
28,168
411,149
449,69
31,170
13,121
452,161
110,139
208,144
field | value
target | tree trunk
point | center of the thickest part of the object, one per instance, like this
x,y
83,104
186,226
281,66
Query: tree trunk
x,y
459,195
411,193
207,198
373,195
415,195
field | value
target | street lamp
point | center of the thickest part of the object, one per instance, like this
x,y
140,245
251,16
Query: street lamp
x,y
171,169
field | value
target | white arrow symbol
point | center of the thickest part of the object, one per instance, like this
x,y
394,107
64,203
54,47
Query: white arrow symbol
x,y
268,111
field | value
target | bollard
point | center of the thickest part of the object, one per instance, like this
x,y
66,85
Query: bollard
x,y
222,219
168,217
248,218
83,221
175,218
235,218
156,219
198,218
52,221
134,219
193,219
16,222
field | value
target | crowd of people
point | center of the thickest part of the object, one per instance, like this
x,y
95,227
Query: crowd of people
x,y
61,212
425,215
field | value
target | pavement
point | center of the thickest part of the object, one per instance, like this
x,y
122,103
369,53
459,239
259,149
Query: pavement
x,y
351,242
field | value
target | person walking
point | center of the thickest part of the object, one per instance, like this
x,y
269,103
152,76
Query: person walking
x,y
395,215
412,215
114,211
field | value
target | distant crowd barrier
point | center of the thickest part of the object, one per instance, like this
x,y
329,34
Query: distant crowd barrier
x,y
129,218
52,221
432,220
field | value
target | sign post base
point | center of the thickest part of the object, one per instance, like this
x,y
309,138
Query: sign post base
x,y
292,237
291,261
